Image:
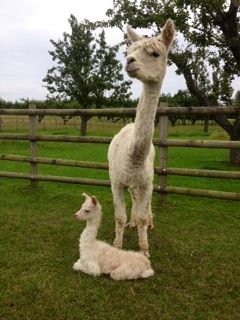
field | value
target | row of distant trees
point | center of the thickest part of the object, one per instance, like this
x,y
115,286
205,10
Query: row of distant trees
x,y
180,99
183,98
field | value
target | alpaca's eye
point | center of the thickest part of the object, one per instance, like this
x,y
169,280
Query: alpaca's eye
x,y
87,211
155,54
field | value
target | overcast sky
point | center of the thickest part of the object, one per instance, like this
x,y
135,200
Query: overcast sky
x,y
26,26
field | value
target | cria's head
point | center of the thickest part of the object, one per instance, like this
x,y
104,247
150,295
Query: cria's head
x,y
90,208
147,57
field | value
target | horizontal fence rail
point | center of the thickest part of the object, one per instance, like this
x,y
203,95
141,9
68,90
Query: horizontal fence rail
x,y
202,193
85,181
104,166
122,111
199,173
163,143
199,144
53,138
61,162
106,140
107,183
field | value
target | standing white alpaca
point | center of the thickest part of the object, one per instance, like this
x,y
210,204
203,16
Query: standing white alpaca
x,y
98,257
131,152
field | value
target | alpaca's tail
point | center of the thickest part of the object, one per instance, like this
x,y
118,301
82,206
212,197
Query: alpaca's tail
x,y
147,273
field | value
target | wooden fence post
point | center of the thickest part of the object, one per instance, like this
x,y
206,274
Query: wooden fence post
x,y
33,145
163,156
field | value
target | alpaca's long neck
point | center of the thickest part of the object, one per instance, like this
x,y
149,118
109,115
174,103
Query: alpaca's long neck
x,y
89,234
144,122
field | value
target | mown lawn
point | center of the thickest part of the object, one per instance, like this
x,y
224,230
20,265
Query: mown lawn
x,y
195,246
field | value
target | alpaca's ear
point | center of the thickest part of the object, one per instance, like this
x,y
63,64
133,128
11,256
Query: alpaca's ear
x,y
168,33
94,200
132,35
85,195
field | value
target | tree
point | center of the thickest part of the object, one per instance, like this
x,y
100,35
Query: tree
x,y
208,54
86,69
237,99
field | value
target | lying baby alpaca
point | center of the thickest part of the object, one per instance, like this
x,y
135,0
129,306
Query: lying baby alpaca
x,y
98,257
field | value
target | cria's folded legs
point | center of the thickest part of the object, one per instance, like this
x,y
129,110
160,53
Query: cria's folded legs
x,y
130,271
87,267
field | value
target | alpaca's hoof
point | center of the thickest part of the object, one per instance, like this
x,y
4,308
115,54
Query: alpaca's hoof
x,y
77,266
150,224
148,273
117,244
146,253
131,224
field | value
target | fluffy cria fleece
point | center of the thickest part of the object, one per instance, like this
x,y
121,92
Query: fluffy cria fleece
x,y
98,257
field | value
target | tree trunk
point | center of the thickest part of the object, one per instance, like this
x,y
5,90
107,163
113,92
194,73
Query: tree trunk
x,y
206,124
83,129
235,136
235,157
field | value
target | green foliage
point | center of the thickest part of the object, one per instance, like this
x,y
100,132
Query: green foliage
x,y
13,105
2,101
87,69
237,98
180,99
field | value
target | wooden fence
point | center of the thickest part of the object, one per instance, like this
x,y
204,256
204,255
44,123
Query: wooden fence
x,y
163,143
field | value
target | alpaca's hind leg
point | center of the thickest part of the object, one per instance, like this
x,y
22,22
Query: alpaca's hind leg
x,y
120,215
133,220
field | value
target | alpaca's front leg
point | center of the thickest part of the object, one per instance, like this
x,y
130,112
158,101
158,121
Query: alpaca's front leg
x,y
143,217
77,265
142,225
120,215
92,268
88,267
150,216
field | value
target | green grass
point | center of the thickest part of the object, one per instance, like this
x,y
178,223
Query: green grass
x,y
195,246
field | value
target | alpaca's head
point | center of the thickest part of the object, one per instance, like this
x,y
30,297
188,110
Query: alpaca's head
x,y
90,209
147,57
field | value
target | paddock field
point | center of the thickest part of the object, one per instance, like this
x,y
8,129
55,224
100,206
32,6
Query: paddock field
x,y
102,126
195,245
21,123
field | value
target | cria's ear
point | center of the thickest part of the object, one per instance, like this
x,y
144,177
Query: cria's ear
x,y
132,35
168,33
85,195
94,200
